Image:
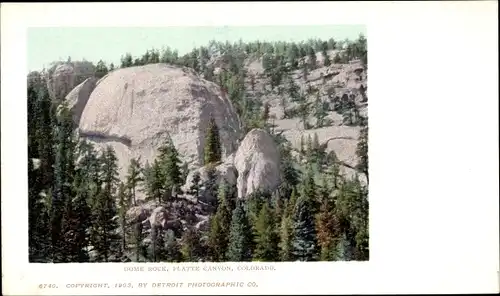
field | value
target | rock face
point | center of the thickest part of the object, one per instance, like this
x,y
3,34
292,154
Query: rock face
x,y
224,171
78,97
137,109
257,162
62,77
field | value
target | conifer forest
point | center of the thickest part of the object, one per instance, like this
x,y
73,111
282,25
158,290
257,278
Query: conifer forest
x,y
277,170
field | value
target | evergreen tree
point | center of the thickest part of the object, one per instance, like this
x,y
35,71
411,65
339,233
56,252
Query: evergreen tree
x,y
304,245
326,59
331,44
293,90
240,238
266,239
194,190
312,57
343,249
320,112
38,221
212,150
126,61
154,181
191,247
123,205
134,176
220,226
45,119
170,167
104,236
309,190
362,151
285,244
293,55
101,69
64,172
326,225
210,186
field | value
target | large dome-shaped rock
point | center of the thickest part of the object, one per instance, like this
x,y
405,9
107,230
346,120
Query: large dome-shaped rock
x,y
257,161
137,109
62,77
77,98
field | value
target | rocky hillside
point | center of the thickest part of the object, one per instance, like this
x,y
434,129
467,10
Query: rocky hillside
x,y
174,142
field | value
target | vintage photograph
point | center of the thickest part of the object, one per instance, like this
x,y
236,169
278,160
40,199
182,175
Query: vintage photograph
x,y
197,144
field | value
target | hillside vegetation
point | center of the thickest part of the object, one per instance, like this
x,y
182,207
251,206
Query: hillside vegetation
x,y
233,152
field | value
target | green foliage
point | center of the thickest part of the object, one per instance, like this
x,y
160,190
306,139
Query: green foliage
x,y
154,181
73,193
134,177
101,69
104,236
266,239
220,226
240,238
64,174
169,163
362,151
191,249
303,242
123,206
212,149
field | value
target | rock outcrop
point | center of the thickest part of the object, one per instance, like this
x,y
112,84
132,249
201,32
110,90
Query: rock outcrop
x,y
137,109
257,162
62,77
225,171
77,98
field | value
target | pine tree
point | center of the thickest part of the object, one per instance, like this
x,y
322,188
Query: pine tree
x,y
101,70
212,149
326,224
220,226
32,121
240,238
64,172
104,236
304,245
312,57
266,239
154,181
78,220
326,59
45,120
191,247
210,186
293,89
38,221
194,190
134,177
285,244
362,151
123,205
170,168
320,112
